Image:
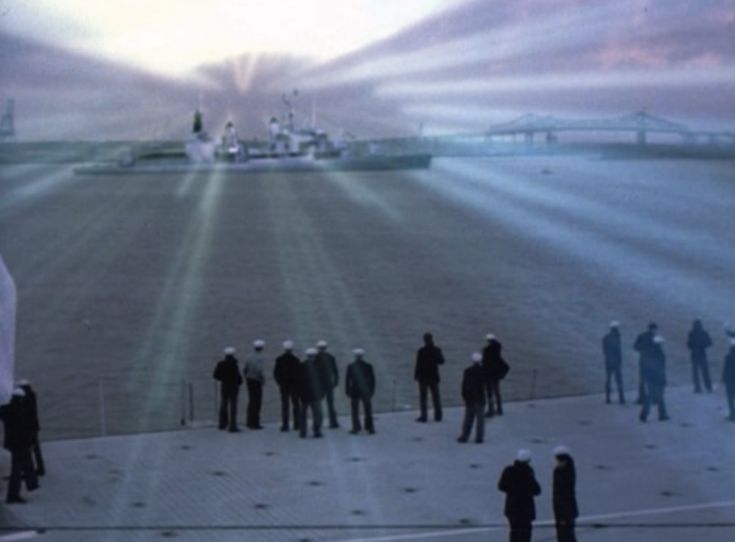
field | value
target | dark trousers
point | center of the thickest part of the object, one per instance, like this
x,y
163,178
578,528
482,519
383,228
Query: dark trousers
x,y
565,530
493,394
700,365
38,456
424,388
228,411
617,374
520,531
255,400
367,407
289,402
316,413
641,385
473,414
333,422
655,394
730,394
21,468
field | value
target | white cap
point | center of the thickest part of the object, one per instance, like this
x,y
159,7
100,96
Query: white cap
x,y
311,351
490,337
476,357
287,345
614,323
523,455
561,450
358,352
321,344
230,350
258,343
24,382
658,339
18,392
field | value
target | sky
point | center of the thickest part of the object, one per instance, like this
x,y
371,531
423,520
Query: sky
x,y
136,69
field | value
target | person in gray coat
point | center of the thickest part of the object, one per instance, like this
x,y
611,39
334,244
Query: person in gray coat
x,y
654,375
360,387
473,394
254,373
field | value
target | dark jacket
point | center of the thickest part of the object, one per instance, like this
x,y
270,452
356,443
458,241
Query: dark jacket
x,y
473,385
31,409
326,367
520,487
310,387
428,359
728,371
644,344
492,361
565,499
360,380
286,370
228,374
654,365
17,433
698,342
612,349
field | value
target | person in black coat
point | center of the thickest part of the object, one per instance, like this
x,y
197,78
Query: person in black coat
x,y
473,394
31,403
565,498
228,374
728,378
496,370
360,388
698,341
18,440
426,373
519,484
644,346
311,394
613,352
329,378
654,375
286,374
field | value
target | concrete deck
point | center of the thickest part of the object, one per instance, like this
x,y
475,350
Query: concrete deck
x,y
671,481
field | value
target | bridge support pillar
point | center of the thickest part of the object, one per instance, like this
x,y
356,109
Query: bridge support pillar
x,y
641,137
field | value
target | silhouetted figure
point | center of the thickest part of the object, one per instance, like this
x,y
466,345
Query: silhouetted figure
x,y
613,352
329,377
728,378
644,346
565,498
654,375
473,394
33,424
228,374
18,437
360,387
198,125
496,370
698,342
426,373
254,373
519,484
286,374
311,393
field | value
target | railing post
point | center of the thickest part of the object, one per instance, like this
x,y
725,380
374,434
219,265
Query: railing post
x,y
103,415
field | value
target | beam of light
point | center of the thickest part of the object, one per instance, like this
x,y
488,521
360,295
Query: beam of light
x,y
594,252
358,191
52,179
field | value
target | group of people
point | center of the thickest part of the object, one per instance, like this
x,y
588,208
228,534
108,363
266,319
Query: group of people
x,y
652,366
20,421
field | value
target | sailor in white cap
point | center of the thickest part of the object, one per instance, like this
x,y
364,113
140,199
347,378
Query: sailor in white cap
x,y
496,369
228,374
286,374
17,442
728,378
473,394
564,495
613,352
360,387
519,484
329,378
310,395
31,402
254,373
654,376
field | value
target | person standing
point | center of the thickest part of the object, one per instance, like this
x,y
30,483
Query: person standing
x,y
310,394
496,370
360,387
519,484
228,374
654,374
644,346
473,394
698,341
426,373
728,378
329,377
613,352
564,497
254,373
33,425
18,442
286,374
